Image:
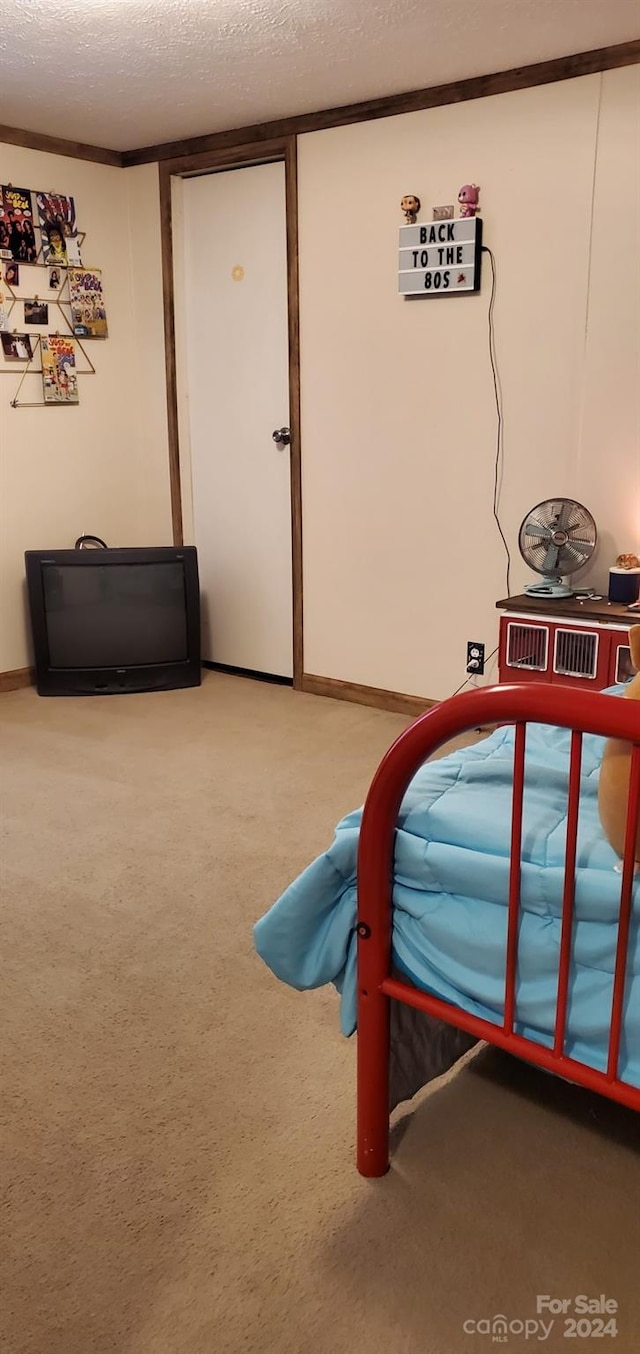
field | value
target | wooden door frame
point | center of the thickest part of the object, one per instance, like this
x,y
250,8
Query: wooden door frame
x,y
239,157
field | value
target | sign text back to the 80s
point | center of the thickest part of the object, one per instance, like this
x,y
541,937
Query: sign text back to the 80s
x,y
440,257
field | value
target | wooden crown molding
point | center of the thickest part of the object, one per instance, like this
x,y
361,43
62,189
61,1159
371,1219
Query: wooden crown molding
x,y
502,82
56,145
460,91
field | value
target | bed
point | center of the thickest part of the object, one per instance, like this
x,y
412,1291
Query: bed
x,y
475,898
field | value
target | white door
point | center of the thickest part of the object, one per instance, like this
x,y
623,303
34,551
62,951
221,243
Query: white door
x,y
237,393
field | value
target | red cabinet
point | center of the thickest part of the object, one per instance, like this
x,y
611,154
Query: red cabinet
x,y
578,643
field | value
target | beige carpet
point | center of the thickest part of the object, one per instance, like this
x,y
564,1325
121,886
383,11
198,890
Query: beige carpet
x,y
178,1128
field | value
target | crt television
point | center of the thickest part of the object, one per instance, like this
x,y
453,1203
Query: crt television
x,y
107,621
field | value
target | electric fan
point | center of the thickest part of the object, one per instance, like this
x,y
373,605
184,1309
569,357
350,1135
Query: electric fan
x,y
556,538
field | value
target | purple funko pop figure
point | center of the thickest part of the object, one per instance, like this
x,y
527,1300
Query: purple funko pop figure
x,y
468,199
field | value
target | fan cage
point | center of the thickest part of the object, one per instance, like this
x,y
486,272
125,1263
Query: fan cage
x,y
550,517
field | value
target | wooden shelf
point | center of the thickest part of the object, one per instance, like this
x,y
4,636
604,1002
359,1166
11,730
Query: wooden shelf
x,y
576,609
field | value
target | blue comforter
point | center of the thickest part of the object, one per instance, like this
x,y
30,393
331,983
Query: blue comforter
x,y
450,898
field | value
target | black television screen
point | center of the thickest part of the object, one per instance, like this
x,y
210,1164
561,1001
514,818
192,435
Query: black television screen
x,y
122,614
114,620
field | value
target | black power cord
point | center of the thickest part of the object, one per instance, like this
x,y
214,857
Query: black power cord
x,y
90,543
499,441
499,461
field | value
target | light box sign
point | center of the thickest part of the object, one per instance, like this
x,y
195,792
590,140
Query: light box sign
x,y
438,258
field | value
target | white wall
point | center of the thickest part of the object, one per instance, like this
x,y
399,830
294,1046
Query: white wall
x,y
402,560
101,466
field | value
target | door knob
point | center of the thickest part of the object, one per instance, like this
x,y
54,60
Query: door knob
x,y
282,437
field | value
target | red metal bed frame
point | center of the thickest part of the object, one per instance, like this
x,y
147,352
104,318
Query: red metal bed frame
x,y
581,712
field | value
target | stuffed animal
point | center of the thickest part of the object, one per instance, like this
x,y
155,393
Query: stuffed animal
x,y
469,197
613,790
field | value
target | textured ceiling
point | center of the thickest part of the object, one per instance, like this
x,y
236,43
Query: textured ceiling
x,y
127,73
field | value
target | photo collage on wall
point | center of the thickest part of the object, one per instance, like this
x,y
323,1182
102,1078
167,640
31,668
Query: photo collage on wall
x,y
39,231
